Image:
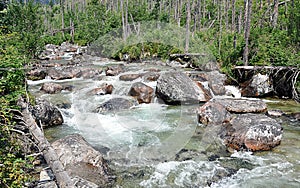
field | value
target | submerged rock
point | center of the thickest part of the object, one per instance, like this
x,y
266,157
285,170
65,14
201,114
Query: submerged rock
x,y
141,92
114,105
81,159
253,132
46,114
178,88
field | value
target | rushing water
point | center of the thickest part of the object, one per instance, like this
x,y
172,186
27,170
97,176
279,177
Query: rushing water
x,y
155,145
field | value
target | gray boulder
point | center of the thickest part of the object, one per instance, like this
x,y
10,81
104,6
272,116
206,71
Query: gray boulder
x,y
82,160
114,105
46,114
178,88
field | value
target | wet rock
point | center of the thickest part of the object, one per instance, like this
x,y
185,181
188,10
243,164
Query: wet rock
x,y
141,92
36,74
114,70
242,105
216,81
178,88
254,132
151,76
275,113
51,88
114,105
295,116
130,77
213,113
102,90
61,73
259,86
46,114
82,160
90,73
83,183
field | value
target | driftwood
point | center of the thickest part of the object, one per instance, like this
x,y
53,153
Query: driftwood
x,y
62,177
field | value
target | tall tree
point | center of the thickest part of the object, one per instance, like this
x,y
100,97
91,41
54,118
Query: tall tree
x,y
248,7
188,20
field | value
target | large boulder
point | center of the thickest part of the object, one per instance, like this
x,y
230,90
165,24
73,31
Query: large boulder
x,y
114,105
253,132
51,88
46,114
260,85
81,159
178,88
216,80
141,92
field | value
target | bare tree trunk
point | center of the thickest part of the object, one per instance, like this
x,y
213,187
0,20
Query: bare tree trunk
x,y
226,13
62,177
123,20
220,25
62,17
188,20
240,21
247,32
233,16
275,13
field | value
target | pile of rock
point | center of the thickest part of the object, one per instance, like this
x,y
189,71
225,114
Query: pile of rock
x,y
242,123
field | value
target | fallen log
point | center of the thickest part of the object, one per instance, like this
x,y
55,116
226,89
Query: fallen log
x,y
62,178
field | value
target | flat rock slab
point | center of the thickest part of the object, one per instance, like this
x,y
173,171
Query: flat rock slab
x,y
178,88
253,132
242,105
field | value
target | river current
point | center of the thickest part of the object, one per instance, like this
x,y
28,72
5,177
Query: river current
x,y
156,145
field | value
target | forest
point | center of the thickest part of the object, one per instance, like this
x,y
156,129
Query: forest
x,y
237,32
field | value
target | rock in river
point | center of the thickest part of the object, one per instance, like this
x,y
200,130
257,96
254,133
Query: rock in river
x,y
114,105
46,113
243,126
178,88
141,92
253,132
51,88
81,159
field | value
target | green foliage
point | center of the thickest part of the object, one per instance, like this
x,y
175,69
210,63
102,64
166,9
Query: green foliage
x,y
25,19
13,165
